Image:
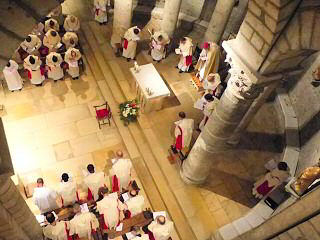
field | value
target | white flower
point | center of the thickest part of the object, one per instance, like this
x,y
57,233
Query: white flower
x,y
134,111
127,105
124,113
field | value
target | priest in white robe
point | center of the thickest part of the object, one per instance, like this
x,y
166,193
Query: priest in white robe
x,y
44,197
159,40
56,230
130,42
71,23
54,66
183,133
83,225
51,24
100,13
137,233
208,108
13,78
68,190
211,84
52,41
208,61
161,228
31,44
72,57
35,71
135,203
185,52
93,182
110,208
121,173
70,40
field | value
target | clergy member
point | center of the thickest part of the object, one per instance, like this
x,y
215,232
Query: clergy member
x,y
13,78
138,235
38,30
120,172
208,61
67,190
70,40
83,225
183,133
212,84
185,52
207,110
161,228
271,180
94,181
52,40
131,37
44,197
51,24
159,40
135,203
56,230
35,71
100,14
72,57
71,23
54,63
31,44
110,208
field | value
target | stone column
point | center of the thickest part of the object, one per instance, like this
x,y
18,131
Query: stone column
x,y
219,20
19,221
255,107
213,139
121,19
170,16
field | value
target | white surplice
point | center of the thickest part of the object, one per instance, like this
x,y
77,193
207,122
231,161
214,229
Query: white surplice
x,y
161,232
110,206
100,13
51,42
67,37
122,170
185,51
70,26
57,232
45,199
35,73
55,70
186,125
94,181
13,78
32,46
73,69
158,51
132,38
47,25
135,205
207,111
83,224
68,192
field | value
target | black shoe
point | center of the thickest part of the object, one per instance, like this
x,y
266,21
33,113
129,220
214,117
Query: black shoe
x,y
12,91
159,61
177,67
55,80
134,59
180,71
199,130
153,60
128,59
100,24
20,89
75,78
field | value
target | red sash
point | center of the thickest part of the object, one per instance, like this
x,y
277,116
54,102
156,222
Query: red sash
x,y
264,189
67,231
188,60
115,184
125,43
151,237
97,11
29,74
90,196
179,140
42,70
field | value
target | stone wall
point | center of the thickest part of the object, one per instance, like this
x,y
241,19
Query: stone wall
x,y
305,100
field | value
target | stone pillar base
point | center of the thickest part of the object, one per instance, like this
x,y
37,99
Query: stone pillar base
x,y
190,181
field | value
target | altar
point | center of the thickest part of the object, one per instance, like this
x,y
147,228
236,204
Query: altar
x,y
148,78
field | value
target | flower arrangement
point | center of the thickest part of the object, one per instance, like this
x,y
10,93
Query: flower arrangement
x,y
129,111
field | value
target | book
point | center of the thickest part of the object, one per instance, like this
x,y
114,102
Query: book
x,y
120,227
177,51
156,214
125,197
84,208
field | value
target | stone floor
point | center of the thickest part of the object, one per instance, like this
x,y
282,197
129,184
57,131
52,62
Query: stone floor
x,y
53,128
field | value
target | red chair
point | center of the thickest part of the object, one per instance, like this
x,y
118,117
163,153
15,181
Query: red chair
x,y
103,113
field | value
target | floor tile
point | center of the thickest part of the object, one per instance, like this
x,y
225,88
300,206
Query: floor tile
x,y
87,126
86,144
63,151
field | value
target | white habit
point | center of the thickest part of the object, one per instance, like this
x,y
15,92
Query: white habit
x,y
45,199
32,46
110,206
183,131
72,57
94,181
67,39
47,25
57,232
68,192
130,43
71,24
161,232
122,170
83,224
135,205
100,13
185,54
50,41
55,70
158,50
35,72
13,78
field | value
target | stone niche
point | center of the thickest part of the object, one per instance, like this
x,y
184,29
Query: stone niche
x,y
6,167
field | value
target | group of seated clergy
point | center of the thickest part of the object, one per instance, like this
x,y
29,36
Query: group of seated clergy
x,y
48,52
111,206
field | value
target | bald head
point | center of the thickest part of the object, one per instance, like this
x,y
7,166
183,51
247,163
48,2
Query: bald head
x,y
119,154
211,77
161,220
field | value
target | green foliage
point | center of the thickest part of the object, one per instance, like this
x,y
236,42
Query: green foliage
x,y
129,111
